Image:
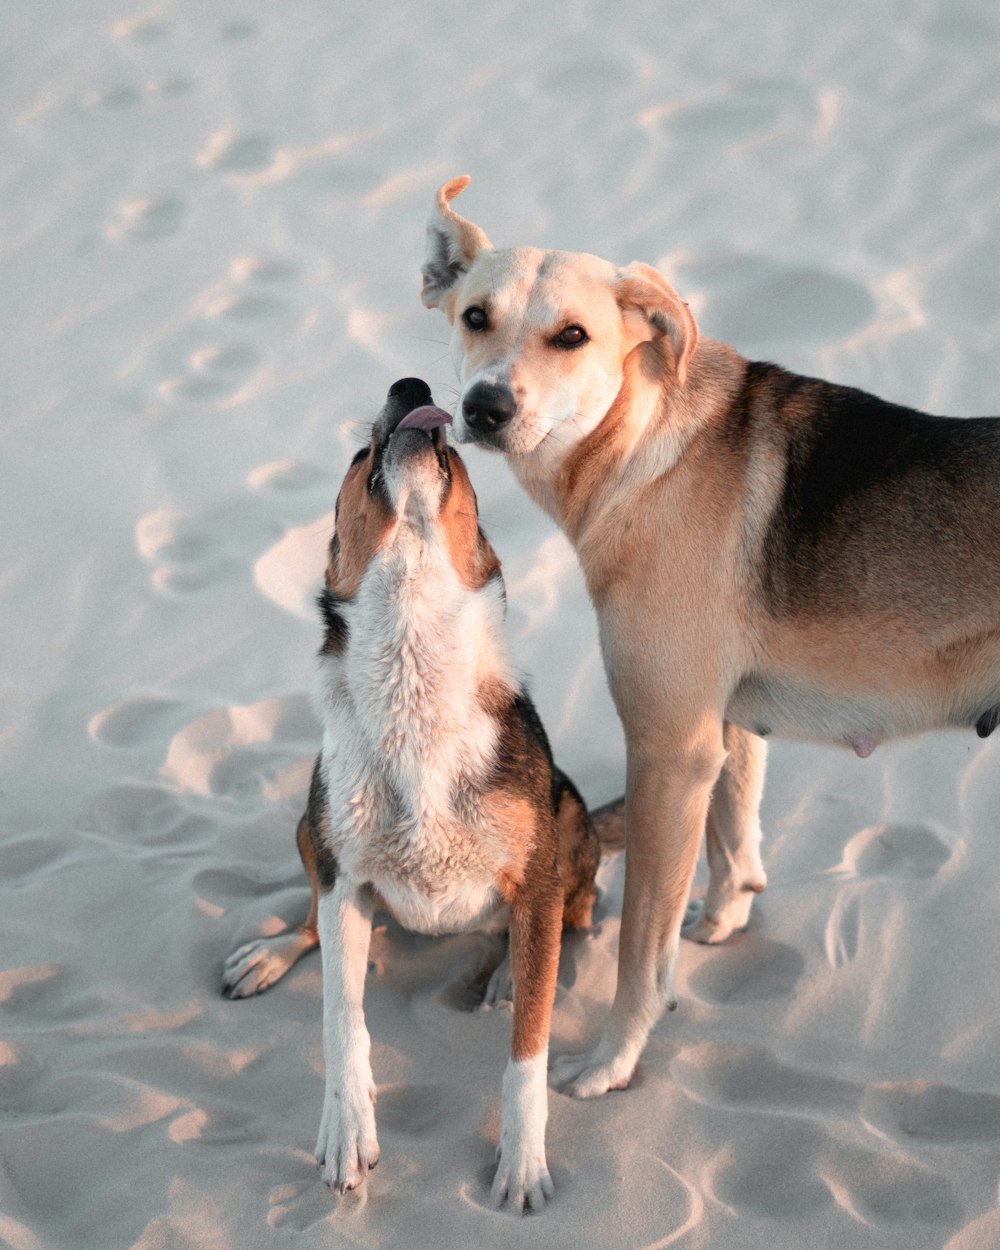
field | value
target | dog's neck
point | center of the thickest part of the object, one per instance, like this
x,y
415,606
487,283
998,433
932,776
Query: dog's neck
x,y
420,648
639,440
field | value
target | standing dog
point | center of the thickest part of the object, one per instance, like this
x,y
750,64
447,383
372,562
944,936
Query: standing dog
x,y
767,554
435,796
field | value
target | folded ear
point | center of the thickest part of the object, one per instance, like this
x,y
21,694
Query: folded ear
x,y
452,244
647,291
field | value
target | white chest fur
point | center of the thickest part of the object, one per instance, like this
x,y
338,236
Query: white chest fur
x,y
407,741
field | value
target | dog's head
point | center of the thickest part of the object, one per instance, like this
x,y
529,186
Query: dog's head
x,y
407,483
540,339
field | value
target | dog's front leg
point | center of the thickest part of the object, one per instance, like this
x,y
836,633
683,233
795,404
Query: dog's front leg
x,y
670,779
347,1145
522,1177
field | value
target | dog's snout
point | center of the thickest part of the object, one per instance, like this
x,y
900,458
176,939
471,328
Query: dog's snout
x,y
488,407
413,391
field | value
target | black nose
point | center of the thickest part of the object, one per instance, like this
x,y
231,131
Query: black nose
x,y
488,407
414,391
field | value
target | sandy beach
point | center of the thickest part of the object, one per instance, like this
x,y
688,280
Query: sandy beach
x,y
211,228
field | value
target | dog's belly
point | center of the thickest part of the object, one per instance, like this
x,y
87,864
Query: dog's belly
x,y
794,709
456,907
436,877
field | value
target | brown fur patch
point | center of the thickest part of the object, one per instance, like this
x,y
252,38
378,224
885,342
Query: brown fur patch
x,y
303,838
472,557
579,854
363,522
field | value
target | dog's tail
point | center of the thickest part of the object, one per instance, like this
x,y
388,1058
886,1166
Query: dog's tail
x,y
609,821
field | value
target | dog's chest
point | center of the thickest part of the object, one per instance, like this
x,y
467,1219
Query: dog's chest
x,y
406,744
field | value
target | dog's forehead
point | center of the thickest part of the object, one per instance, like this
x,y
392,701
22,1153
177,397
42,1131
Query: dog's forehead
x,y
541,284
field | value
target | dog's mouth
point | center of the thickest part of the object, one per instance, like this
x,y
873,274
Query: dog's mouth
x,y
429,420
418,431
411,462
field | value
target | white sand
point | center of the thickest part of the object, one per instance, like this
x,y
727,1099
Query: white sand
x,y
211,222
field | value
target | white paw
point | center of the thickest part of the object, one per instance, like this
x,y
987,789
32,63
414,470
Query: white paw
x,y
714,924
256,966
591,1074
347,1147
522,1182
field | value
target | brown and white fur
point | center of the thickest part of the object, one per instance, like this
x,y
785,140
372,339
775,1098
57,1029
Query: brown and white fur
x,y
435,796
767,554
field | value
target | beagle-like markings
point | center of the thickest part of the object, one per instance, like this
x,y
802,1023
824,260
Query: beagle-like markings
x,y
766,553
435,796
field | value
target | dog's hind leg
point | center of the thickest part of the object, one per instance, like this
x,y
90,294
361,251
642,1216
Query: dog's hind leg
x,y
732,834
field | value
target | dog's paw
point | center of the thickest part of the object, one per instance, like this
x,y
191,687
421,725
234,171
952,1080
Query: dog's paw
x,y
714,925
522,1182
591,1074
347,1148
500,987
256,966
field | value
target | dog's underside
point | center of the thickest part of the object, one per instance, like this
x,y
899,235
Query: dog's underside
x,y
768,554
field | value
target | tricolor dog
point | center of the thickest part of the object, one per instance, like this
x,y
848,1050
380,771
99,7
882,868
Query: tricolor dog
x,y
767,554
435,796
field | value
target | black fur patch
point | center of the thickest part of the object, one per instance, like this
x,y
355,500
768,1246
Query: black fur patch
x,y
988,722
318,815
441,270
858,469
535,731
523,764
337,631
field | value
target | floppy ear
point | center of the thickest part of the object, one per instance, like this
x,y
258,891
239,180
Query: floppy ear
x,y
452,244
646,290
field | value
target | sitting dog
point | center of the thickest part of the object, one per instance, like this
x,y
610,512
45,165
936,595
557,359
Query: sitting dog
x,y
435,796
766,553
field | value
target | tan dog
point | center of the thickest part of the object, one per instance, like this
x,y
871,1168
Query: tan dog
x,y
767,554
435,796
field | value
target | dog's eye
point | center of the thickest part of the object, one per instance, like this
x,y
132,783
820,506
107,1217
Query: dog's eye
x,y
474,318
572,336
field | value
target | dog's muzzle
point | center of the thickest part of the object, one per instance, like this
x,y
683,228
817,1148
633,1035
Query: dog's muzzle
x,y
487,411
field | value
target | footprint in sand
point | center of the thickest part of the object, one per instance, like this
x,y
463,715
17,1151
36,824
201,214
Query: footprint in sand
x,y
750,1077
243,539
137,721
195,552
145,814
264,749
740,113
215,372
756,301
236,154
890,1191
796,1168
213,357
776,1175
419,1110
124,96
752,969
915,1111
895,851
146,220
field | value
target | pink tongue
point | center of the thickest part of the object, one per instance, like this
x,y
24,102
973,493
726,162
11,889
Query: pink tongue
x,y
426,418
